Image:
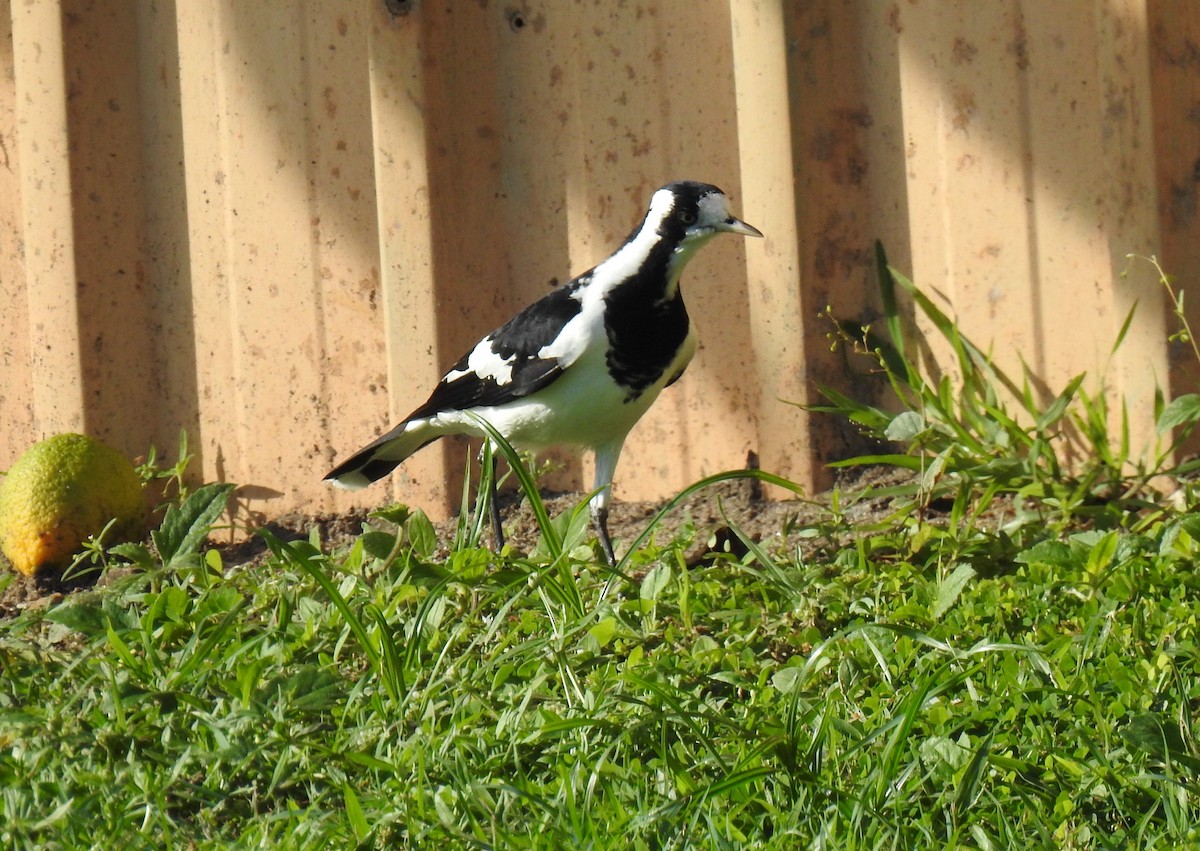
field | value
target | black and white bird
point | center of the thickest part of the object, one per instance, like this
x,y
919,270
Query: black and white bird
x,y
580,366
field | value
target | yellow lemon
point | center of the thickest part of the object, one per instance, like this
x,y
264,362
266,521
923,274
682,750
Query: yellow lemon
x,y
62,491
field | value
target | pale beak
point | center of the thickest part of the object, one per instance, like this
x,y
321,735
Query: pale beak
x,y
736,225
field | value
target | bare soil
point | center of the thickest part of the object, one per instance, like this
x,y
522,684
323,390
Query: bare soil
x,y
713,513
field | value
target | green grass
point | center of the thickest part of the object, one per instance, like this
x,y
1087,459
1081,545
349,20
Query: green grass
x,y
911,686
1008,660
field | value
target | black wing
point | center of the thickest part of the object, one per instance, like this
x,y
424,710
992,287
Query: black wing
x,y
516,344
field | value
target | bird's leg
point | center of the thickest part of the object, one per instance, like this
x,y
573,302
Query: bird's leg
x,y
493,504
606,465
600,521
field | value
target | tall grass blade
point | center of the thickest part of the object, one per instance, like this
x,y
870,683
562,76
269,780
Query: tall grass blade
x,y
708,481
355,815
287,552
972,778
1124,328
1056,410
887,294
528,485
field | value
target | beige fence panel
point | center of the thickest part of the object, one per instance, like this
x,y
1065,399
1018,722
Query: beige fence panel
x,y
1031,176
17,420
275,224
282,212
1174,37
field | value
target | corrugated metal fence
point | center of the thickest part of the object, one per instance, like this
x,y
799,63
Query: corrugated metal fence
x,y
274,224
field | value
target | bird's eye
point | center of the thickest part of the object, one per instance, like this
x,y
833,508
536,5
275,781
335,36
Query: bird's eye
x,y
687,217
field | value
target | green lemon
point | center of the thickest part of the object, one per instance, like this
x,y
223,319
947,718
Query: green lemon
x,y
62,491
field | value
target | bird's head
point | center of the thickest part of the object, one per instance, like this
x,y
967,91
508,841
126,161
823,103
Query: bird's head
x,y
691,213
683,216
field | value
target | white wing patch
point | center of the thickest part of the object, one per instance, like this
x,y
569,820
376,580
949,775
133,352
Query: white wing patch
x,y
576,336
484,363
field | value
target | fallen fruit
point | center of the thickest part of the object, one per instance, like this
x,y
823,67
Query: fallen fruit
x,y
59,493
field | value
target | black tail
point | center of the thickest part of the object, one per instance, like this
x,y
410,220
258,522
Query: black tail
x,y
379,458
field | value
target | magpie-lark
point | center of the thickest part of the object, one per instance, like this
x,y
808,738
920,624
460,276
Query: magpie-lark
x,y
582,364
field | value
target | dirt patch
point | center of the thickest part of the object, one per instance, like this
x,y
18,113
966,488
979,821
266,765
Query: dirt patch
x,y
713,514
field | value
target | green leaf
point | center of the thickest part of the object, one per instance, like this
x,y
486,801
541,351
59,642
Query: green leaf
x,y
907,462
787,679
185,527
378,544
972,778
949,588
1056,409
574,526
118,646
1124,328
56,815
1180,411
83,617
421,534
1101,555
354,814
136,554
872,418
444,801
655,582
1052,553
397,513
1190,523
887,294
1154,734
603,631
905,427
